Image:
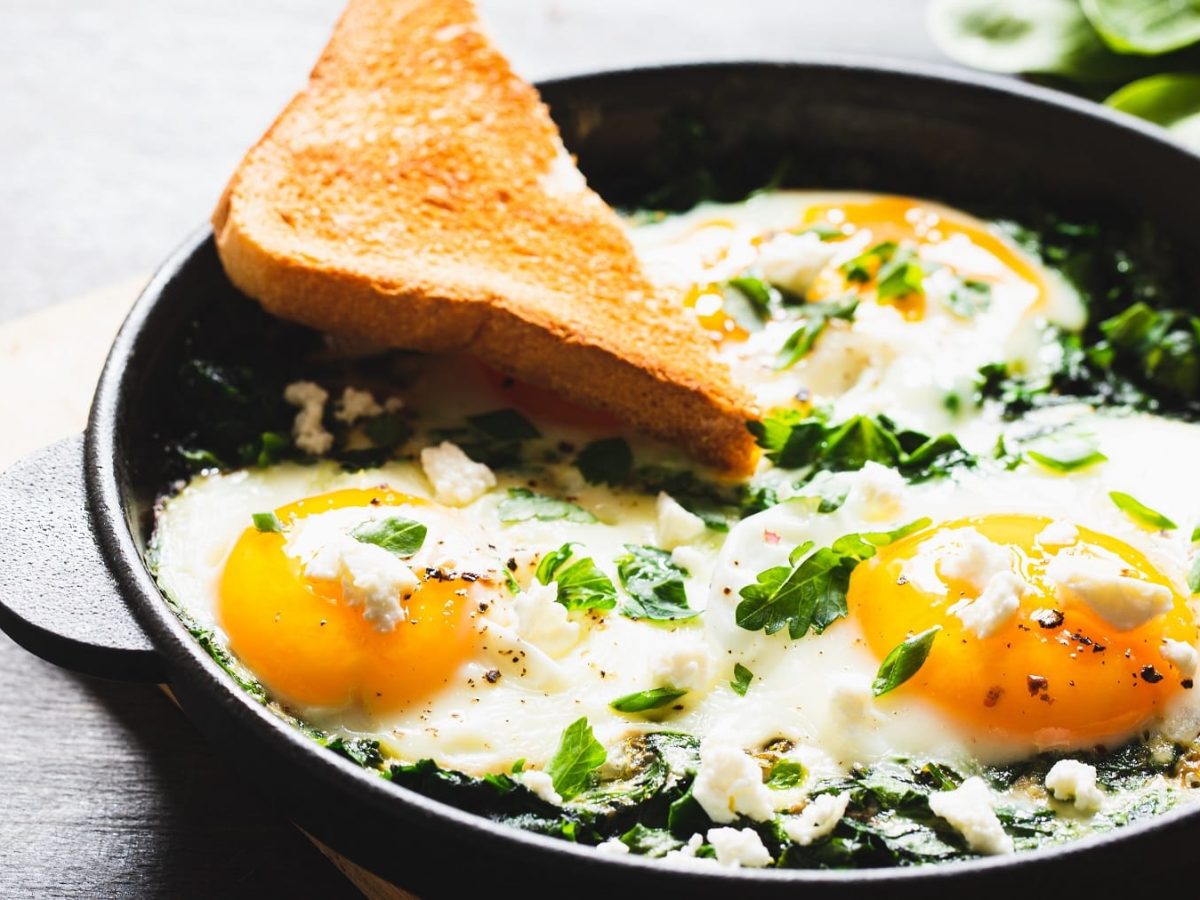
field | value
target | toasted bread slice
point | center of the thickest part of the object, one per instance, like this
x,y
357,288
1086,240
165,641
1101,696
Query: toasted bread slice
x,y
417,193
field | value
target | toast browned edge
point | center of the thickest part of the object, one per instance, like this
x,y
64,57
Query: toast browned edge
x,y
411,108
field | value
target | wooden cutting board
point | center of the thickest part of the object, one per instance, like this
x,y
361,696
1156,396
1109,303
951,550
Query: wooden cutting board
x,y
50,361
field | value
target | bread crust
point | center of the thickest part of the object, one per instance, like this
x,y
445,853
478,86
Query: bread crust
x,y
416,193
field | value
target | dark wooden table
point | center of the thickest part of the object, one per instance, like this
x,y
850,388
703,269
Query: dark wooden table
x,y
119,121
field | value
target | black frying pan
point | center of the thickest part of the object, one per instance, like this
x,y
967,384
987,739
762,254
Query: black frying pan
x,y
75,517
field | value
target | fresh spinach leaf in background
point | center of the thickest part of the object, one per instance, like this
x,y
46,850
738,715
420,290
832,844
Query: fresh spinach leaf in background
x,y
1172,101
1148,27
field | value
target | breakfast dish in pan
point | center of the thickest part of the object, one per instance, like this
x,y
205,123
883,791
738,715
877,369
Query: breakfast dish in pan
x,y
933,601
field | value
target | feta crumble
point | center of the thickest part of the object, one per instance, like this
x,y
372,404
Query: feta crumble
x,y
1124,602
730,783
1182,655
878,492
969,809
541,784
817,819
1069,779
739,847
999,602
307,430
793,261
456,478
613,847
1058,533
543,621
355,405
973,558
674,524
687,667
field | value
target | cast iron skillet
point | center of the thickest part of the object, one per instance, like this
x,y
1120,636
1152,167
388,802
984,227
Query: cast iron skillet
x,y
76,517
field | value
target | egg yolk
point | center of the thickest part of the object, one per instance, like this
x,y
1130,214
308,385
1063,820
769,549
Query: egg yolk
x,y
1057,673
310,648
938,235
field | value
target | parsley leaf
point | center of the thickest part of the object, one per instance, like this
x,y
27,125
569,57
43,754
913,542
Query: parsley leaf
x,y
403,537
1139,512
901,276
607,461
581,584
579,754
903,661
504,425
864,267
815,316
741,679
522,504
1065,450
787,773
266,522
643,701
810,592
654,583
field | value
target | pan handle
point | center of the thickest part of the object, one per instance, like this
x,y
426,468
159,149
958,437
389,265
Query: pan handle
x,y
58,599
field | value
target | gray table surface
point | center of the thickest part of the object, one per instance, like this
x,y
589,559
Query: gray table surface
x,y
119,121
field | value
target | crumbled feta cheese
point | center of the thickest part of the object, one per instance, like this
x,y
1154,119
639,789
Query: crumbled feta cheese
x,y
393,405
613,847
355,405
739,847
969,556
998,603
1123,601
370,576
457,479
675,525
541,784
686,855
817,819
1069,779
878,492
1182,655
1059,533
687,558
687,667
543,621
730,783
793,261
307,430
969,809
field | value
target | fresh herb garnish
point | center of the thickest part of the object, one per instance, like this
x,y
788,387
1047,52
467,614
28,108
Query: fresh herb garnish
x,y
1193,579
581,584
901,276
504,425
1139,512
903,662
654,583
267,522
741,679
608,461
579,755
642,701
786,773
757,291
1064,450
402,537
867,264
522,504
810,591
815,317
968,298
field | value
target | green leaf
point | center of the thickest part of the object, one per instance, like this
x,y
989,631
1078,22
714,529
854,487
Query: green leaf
x,y
790,437
402,537
387,430
786,774
867,264
1196,534
643,701
1047,37
1170,100
901,276
504,425
969,298
651,842
904,661
741,679
522,504
1140,512
747,301
608,461
581,585
757,291
1065,450
1149,27
654,583
272,447
858,441
267,521
579,754
815,316
1193,579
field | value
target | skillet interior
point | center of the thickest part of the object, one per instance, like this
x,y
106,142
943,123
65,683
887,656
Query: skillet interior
x,y
971,141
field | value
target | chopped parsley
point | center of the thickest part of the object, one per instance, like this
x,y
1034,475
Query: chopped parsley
x,y
741,679
1140,512
579,755
643,701
402,537
785,774
654,583
267,522
815,316
581,583
522,504
1064,450
608,461
903,662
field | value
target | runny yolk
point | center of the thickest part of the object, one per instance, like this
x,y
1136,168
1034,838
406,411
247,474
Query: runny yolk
x,y
309,648
937,234
1064,675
